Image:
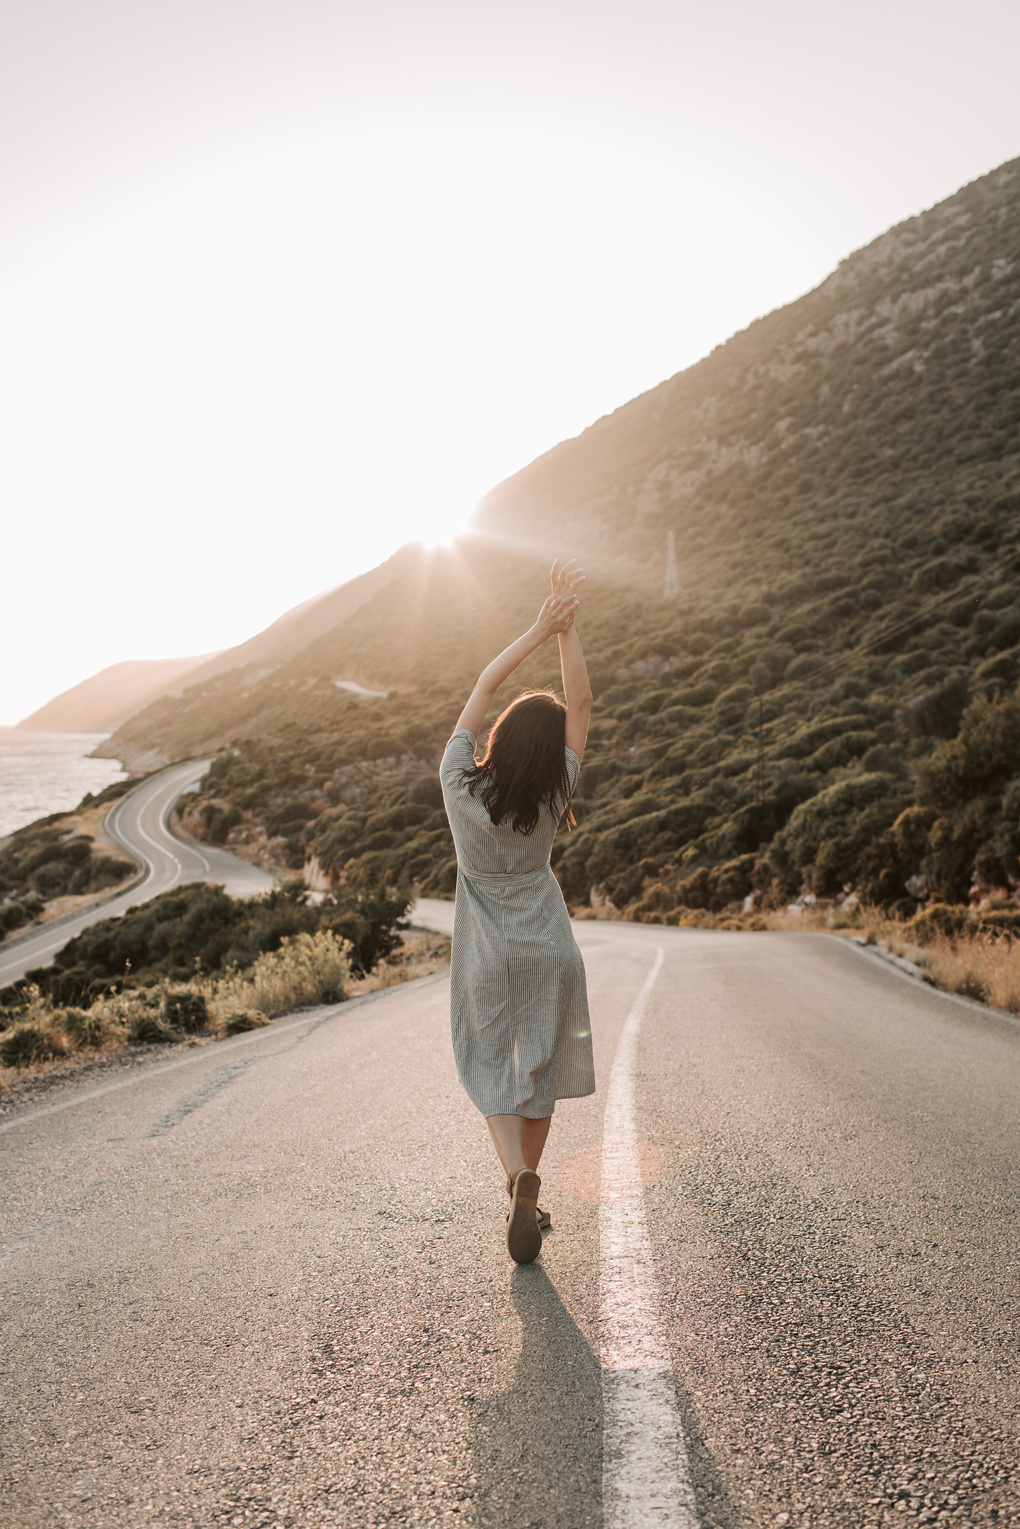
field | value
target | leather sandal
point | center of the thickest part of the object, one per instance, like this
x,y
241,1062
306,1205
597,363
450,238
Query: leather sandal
x,y
523,1234
544,1218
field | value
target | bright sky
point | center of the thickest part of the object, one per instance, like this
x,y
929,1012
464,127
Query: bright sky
x,y
286,283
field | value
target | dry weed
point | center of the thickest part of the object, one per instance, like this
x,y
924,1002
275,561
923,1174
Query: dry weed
x,y
984,966
307,969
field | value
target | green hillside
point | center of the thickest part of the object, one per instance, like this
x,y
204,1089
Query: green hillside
x,y
829,700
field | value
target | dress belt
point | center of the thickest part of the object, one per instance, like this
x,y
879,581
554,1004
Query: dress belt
x,y
484,879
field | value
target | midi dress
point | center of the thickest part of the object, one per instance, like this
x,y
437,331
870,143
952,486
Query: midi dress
x,y
518,997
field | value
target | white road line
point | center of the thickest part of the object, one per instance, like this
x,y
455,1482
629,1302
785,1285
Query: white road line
x,y
113,822
164,824
160,848
645,1474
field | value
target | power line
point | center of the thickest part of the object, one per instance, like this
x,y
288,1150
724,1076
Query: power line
x,y
833,665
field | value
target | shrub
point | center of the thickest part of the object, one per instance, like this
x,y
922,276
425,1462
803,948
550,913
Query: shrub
x,y
941,919
221,823
26,1043
185,1010
146,1027
427,791
803,665
1002,919
12,916
942,573
369,915
241,1020
289,819
986,967
86,1027
307,969
833,812
50,878
938,712
657,899
106,871
983,757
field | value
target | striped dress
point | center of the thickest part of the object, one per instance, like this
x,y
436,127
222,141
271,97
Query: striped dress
x,y
518,1000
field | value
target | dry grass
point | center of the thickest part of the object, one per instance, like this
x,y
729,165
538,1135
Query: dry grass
x,y
308,969
977,964
985,966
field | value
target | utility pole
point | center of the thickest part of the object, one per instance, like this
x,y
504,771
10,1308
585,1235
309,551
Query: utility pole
x,y
671,587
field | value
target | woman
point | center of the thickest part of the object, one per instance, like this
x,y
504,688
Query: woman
x,y
519,1006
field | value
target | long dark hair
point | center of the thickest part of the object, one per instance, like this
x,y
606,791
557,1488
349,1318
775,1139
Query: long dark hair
x,y
524,768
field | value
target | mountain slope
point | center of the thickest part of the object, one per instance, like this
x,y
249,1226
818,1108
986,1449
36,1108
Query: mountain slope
x,y
842,483
297,628
106,700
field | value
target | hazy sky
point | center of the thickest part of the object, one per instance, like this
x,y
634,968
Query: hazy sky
x,y
285,283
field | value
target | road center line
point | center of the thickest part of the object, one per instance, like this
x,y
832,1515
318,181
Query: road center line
x,y
645,1473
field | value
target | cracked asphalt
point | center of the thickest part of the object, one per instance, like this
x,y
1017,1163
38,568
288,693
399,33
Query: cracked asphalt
x,y
264,1283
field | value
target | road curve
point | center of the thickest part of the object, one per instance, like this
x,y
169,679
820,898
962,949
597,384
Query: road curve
x,y
138,822
263,1282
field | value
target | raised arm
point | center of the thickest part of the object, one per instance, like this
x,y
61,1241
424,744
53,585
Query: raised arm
x,y
555,616
576,687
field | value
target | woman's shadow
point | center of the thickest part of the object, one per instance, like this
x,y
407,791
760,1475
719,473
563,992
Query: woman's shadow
x,y
538,1446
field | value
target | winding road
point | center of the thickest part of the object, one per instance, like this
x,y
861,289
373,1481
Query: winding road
x,y
138,822
263,1281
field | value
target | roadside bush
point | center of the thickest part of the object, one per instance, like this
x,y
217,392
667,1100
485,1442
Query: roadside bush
x,y
185,1010
26,1043
655,901
85,1027
369,916
221,824
241,1020
104,871
307,969
146,1026
985,967
200,927
940,920
147,1029
12,916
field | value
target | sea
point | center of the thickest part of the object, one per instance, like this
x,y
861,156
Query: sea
x,y
42,773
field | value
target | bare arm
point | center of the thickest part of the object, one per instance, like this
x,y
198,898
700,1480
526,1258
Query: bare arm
x,y
576,687
555,616
576,690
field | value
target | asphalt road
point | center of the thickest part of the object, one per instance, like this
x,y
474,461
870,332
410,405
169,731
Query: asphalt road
x,y
138,822
264,1282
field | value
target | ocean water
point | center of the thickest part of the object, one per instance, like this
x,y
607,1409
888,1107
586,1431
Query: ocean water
x,y
42,773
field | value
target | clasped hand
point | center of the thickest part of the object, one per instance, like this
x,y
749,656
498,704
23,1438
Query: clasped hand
x,y
559,610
